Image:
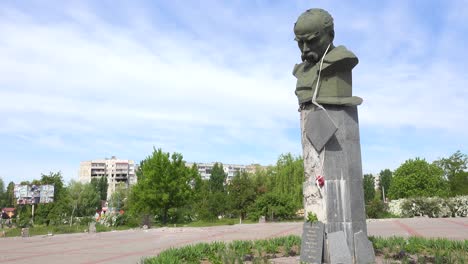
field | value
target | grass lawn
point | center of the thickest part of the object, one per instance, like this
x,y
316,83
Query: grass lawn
x,y
38,230
388,250
219,222
67,229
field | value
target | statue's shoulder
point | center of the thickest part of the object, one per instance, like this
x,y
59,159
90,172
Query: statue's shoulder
x,y
339,59
339,53
297,68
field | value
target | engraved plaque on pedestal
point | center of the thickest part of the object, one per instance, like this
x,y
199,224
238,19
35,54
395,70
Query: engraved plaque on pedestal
x,y
312,242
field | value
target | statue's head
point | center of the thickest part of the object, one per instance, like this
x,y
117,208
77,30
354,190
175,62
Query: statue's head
x,y
314,32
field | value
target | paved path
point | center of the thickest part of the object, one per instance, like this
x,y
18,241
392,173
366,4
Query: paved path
x,y
452,228
128,246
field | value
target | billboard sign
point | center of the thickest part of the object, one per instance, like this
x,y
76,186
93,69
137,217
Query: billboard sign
x,y
34,194
47,194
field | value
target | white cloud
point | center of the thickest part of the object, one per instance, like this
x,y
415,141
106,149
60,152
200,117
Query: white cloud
x,y
63,79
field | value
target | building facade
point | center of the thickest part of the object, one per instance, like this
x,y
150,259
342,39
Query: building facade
x,y
230,169
115,170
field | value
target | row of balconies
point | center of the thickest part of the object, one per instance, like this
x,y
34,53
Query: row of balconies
x,y
103,165
104,171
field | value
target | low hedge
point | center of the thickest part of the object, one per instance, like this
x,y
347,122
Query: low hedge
x,y
430,206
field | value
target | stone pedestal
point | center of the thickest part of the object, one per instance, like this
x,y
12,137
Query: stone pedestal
x,y
343,189
341,199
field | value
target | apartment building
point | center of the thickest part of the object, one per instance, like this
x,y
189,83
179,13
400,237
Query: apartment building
x,y
116,170
230,169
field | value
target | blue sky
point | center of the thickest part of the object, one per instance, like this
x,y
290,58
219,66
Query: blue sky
x,y
83,80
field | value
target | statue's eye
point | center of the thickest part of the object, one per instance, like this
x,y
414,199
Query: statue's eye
x,y
310,43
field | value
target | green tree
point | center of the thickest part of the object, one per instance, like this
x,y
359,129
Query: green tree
x,y
459,184
119,197
208,204
56,179
24,215
164,183
274,206
84,199
262,180
199,188
241,194
385,180
418,178
75,190
2,194
10,195
101,185
215,201
288,177
89,201
454,168
369,187
56,212
454,164
217,178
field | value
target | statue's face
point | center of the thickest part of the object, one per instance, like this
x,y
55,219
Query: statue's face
x,y
313,44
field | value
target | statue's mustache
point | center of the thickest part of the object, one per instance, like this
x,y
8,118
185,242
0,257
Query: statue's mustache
x,y
310,56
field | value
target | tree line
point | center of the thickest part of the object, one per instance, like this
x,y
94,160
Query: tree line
x,y
445,177
74,200
167,191
170,192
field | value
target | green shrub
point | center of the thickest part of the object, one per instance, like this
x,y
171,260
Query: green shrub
x,y
432,250
85,220
273,206
311,217
121,219
241,247
376,209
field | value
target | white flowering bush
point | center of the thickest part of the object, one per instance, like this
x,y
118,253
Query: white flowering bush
x,y
430,206
108,219
460,205
445,207
394,207
112,219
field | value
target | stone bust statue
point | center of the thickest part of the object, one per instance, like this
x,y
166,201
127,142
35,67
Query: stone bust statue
x,y
314,31
332,187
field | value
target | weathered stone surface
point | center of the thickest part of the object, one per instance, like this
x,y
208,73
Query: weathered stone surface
x,y
357,211
314,201
337,195
363,249
319,134
345,227
338,248
92,227
344,193
25,232
312,242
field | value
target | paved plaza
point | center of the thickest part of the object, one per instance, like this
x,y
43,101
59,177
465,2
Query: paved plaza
x,y
130,245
